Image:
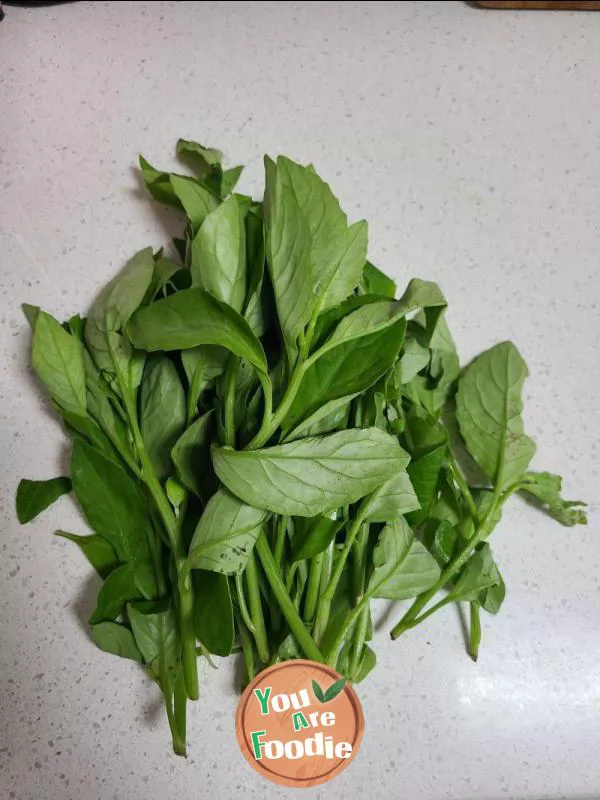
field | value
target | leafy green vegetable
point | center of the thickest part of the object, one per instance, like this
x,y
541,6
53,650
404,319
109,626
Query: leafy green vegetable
x,y
264,439
33,497
311,476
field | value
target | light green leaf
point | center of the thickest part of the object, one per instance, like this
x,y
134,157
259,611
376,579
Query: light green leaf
x,y
288,250
158,184
98,551
374,281
488,410
31,314
226,534
155,630
546,488
191,454
414,358
479,573
491,599
111,501
33,497
195,198
395,498
57,357
326,419
116,639
202,365
162,412
402,566
311,476
219,255
194,317
109,314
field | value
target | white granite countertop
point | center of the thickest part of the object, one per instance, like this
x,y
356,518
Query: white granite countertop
x,y
470,141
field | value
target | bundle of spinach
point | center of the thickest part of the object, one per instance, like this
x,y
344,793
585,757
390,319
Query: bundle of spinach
x,y
264,439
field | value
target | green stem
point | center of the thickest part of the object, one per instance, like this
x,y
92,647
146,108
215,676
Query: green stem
x,y
280,540
180,706
173,717
447,574
241,598
271,422
322,615
462,484
353,531
294,620
256,611
229,406
358,643
474,631
184,585
334,650
312,590
247,650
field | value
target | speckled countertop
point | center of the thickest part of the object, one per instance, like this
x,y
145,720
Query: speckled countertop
x,y
470,140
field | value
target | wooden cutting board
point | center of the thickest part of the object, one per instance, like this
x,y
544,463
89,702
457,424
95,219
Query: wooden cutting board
x,y
560,5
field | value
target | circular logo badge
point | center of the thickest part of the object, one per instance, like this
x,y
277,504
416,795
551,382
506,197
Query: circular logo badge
x,y
299,723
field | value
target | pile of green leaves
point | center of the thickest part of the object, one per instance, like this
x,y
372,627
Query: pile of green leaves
x,y
264,439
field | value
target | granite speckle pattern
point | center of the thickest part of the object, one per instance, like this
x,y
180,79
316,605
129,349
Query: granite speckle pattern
x,y
470,142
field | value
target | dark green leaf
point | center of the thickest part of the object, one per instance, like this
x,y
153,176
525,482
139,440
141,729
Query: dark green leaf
x,y
111,502
194,317
332,692
202,365
158,184
98,551
213,612
395,498
155,630
311,476
313,535
318,692
117,639
162,412
491,599
116,591
424,474
33,497
191,455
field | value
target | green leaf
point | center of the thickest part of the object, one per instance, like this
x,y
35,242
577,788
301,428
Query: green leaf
x,y
191,454
395,498
165,271
109,314
102,404
219,255
488,409
344,367
256,311
311,476
98,551
111,502
225,535
313,535
337,252
158,184
198,203
415,357
367,663
33,497
491,599
57,358
329,418
116,591
202,365
545,487
155,630
332,692
213,612
318,692
424,474
373,281
194,317
288,244
203,159
479,573
402,566
117,639
162,412
440,538
31,314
